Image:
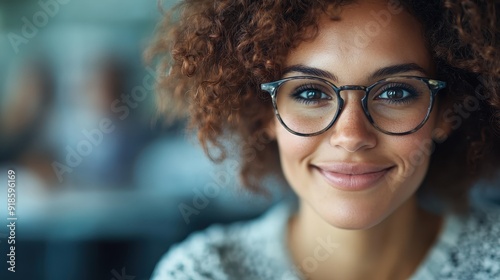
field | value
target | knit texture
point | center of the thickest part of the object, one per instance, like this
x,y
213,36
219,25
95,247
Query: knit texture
x,y
468,248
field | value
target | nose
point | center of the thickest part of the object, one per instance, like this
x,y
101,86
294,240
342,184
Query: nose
x,y
352,131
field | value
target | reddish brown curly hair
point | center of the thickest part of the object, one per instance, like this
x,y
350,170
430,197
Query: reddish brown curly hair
x,y
217,53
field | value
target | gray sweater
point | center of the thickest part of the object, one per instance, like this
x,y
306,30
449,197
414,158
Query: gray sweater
x,y
468,248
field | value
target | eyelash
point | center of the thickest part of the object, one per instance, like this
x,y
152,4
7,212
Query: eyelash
x,y
296,94
414,93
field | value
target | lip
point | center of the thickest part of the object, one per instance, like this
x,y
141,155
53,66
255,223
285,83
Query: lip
x,y
352,176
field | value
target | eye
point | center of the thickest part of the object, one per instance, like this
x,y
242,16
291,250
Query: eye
x,y
310,94
394,94
397,93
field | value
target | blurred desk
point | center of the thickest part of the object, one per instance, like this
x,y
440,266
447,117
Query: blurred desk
x,y
92,214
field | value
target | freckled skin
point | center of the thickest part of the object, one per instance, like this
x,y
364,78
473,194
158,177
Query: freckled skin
x,y
352,138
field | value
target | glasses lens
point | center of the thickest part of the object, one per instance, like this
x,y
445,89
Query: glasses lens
x,y
306,105
399,105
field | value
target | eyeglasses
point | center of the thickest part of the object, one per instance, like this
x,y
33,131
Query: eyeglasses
x,y
308,106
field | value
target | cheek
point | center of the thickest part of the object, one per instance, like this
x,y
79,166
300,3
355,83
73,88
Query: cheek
x,y
412,153
294,152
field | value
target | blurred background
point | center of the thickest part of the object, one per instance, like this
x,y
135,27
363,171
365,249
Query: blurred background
x,y
102,184
103,187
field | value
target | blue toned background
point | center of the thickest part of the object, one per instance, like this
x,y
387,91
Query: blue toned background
x,y
99,180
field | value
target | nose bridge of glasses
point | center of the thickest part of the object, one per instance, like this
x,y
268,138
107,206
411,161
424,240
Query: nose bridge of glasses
x,y
354,88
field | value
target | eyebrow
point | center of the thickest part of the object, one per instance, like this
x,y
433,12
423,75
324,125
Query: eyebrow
x,y
397,69
310,71
382,72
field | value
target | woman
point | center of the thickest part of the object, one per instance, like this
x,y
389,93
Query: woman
x,y
361,105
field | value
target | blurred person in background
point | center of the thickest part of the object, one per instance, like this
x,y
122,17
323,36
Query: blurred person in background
x,y
74,61
364,107
113,153
26,108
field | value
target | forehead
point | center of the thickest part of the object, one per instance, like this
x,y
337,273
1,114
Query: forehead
x,y
368,35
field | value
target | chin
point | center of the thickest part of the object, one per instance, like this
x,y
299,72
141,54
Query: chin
x,y
354,216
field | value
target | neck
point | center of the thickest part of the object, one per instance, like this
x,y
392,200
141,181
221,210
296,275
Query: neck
x,y
393,249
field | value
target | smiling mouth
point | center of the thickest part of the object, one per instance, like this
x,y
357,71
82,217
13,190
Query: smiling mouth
x,y
349,177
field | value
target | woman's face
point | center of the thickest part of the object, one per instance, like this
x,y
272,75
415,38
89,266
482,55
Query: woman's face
x,y
354,176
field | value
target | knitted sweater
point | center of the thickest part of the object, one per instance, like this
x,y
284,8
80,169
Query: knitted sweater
x,y
468,248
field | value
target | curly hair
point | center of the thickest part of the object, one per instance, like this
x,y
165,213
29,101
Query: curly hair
x,y
217,53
